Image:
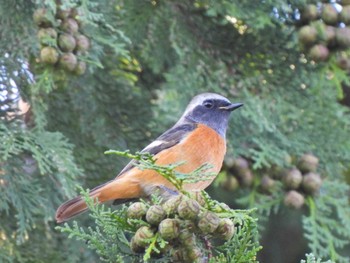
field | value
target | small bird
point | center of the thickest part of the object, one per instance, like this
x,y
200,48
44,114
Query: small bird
x,y
198,138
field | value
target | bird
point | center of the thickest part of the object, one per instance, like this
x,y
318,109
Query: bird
x,y
198,138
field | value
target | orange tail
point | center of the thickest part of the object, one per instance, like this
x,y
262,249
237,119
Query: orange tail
x,y
70,208
116,189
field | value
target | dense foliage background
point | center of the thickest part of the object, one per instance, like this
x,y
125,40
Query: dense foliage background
x,y
145,62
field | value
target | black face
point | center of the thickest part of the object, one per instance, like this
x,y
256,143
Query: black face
x,y
212,113
215,104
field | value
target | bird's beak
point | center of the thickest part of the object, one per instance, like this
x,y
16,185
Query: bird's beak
x,y
231,107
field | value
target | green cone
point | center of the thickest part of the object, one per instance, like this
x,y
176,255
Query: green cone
x,y
155,214
226,229
142,235
137,210
188,209
187,238
169,229
294,199
170,206
308,163
311,183
66,42
208,222
292,179
49,55
68,62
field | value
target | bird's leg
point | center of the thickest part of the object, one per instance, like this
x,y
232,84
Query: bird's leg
x,y
167,190
159,190
208,246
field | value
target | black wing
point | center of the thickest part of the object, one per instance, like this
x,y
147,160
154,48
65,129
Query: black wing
x,y
168,139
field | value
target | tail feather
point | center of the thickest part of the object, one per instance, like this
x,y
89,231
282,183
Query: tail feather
x,y
75,206
70,208
116,189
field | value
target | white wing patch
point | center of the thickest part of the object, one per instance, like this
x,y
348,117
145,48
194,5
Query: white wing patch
x,y
153,144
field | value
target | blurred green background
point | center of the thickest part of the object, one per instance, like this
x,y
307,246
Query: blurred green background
x,y
145,61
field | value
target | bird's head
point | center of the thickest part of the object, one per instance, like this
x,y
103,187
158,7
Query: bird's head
x,y
210,109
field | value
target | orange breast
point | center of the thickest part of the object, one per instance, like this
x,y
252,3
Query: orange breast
x,y
202,146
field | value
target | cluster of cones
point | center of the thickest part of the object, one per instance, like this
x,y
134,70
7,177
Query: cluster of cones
x,y
298,182
324,29
61,40
185,223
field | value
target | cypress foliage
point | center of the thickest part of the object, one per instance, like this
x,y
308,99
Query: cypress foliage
x,y
144,61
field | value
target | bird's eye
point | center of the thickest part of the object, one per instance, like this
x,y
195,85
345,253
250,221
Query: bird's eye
x,y
208,104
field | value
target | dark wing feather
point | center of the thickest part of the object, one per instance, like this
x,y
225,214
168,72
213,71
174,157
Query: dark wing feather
x,y
168,139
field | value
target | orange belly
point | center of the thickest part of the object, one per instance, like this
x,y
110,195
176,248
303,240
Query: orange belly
x,y
202,146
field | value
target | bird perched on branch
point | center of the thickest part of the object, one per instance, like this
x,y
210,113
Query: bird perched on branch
x,y
198,138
